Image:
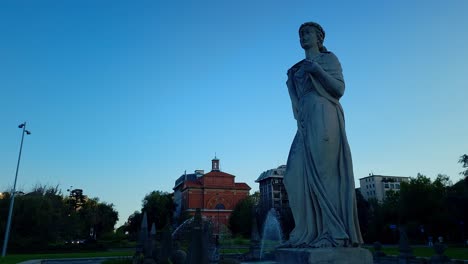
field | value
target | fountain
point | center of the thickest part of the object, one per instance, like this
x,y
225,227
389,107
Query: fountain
x,y
272,236
196,233
182,228
182,231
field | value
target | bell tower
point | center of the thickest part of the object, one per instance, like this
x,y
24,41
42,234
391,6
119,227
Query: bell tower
x,y
215,164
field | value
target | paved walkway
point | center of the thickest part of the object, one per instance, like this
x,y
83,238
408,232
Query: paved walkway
x,y
68,261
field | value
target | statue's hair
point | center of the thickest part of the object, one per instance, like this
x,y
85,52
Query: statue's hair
x,y
320,34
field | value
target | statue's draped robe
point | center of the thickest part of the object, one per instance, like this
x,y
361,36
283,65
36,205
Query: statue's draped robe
x,y
319,175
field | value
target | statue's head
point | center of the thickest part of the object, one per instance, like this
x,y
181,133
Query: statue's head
x,y
317,39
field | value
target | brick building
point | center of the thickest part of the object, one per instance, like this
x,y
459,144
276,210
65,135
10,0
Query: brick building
x,y
215,193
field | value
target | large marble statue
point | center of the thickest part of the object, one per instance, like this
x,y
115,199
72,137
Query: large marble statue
x,y
319,175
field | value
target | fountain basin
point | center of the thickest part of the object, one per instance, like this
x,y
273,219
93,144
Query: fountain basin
x,y
323,255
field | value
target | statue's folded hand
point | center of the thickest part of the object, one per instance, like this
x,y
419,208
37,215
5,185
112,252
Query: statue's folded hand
x,y
310,66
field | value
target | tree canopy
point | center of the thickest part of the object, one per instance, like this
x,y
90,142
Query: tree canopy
x,y
43,217
427,208
159,207
464,161
240,221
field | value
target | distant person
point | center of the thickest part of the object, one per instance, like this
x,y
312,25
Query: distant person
x,y
441,239
429,242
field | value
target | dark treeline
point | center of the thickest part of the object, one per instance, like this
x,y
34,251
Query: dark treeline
x,y
426,208
44,219
159,208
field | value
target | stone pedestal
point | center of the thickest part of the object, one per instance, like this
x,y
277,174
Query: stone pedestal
x,y
323,256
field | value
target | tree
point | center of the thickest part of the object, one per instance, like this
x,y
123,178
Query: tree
x,y
159,207
97,218
424,207
363,207
427,208
391,203
37,218
457,207
132,225
43,218
464,161
377,226
240,221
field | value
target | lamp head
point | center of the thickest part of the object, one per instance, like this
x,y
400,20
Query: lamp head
x,y
27,132
21,126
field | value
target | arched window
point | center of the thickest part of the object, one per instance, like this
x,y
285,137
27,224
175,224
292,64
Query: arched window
x,y
220,206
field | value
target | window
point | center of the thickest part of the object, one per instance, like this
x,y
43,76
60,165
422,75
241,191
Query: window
x,y
386,185
392,186
397,186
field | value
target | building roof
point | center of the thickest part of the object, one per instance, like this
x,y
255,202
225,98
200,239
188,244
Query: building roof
x,y
187,177
195,180
384,176
197,183
273,173
242,186
192,184
218,173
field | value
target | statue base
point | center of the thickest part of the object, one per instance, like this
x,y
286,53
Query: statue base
x,y
323,256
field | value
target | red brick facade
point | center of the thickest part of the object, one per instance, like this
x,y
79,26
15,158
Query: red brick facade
x,y
215,193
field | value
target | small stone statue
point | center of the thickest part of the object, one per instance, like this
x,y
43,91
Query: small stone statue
x,y
198,250
439,257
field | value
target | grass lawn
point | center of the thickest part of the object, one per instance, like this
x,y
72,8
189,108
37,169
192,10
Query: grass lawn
x,y
118,261
12,259
451,252
233,250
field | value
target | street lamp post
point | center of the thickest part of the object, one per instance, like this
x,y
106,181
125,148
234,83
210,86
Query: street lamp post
x,y
217,207
69,199
10,212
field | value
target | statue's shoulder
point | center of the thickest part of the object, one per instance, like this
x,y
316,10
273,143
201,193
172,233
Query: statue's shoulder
x,y
329,56
296,66
329,61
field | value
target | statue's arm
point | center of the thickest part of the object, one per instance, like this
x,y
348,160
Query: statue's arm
x,y
335,86
330,75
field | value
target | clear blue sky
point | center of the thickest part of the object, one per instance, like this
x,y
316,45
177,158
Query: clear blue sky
x,y
123,96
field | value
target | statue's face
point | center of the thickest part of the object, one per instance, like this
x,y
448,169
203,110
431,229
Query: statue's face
x,y
308,37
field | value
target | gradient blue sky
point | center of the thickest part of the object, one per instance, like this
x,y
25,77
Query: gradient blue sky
x,y
123,96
